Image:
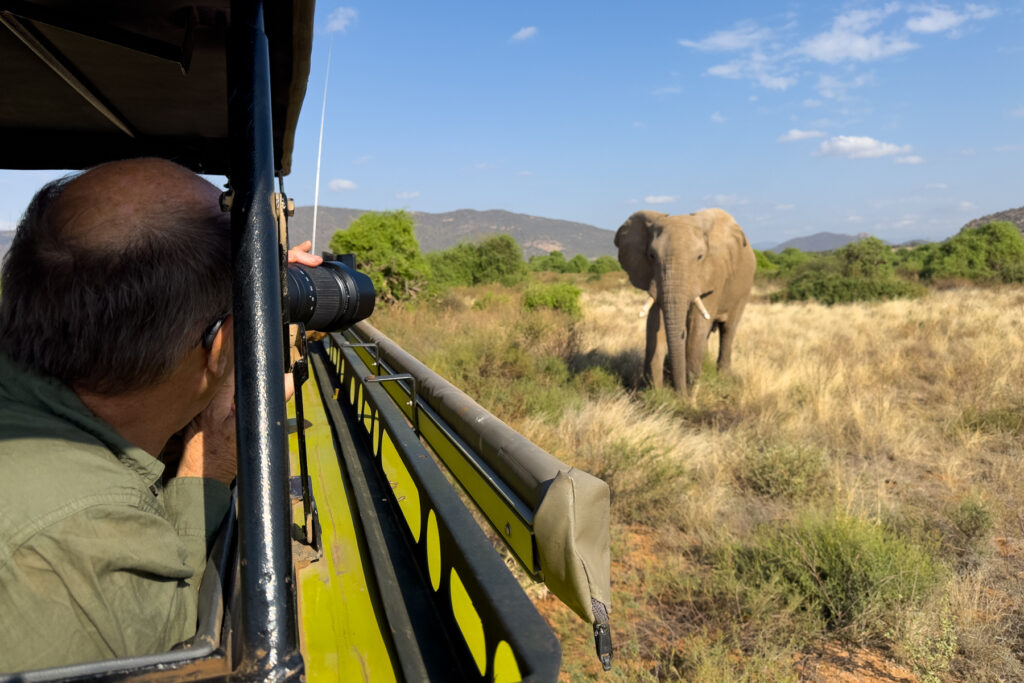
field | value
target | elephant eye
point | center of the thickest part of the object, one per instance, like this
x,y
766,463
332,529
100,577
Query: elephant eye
x,y
700,256
650,254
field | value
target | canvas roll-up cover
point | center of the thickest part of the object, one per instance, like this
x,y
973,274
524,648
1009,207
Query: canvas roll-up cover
x,y
570,506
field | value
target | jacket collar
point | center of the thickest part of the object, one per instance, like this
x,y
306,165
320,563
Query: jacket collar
x,y
47,394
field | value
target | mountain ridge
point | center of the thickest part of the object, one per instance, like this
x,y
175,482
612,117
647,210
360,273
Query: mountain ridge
x,y
438,231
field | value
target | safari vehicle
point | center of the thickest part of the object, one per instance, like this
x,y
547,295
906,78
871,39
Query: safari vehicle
x,y
351,554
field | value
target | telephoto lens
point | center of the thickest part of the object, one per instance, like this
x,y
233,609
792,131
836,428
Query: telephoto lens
x,y
330,297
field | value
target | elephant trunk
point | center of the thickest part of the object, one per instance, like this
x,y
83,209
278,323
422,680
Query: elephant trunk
x,y
676,328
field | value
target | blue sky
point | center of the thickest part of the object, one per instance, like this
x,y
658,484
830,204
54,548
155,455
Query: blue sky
x,y
901,119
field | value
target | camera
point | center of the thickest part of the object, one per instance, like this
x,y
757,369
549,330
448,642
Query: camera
x,y
330,297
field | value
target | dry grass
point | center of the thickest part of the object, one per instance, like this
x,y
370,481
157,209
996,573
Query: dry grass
x,y
907,414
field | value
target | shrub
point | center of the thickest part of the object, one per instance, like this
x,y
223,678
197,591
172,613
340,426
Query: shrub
x,y
860,271
784,471
386,249
853,573
495,259
577,264
834,288
560,296
765,265
604,264
554,262
994,251
453,267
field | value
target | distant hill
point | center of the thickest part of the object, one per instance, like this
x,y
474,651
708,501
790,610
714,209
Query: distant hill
x,y
1015,216
822,241
437,231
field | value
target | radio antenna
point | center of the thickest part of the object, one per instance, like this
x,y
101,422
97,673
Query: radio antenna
x,y
320,145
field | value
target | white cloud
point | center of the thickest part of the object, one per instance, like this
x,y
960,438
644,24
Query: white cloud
x,y
854,219
796,134
525,173
937,186
362,160
524,33
668,90
911,159
905,222
968,206
758,68
485,166
1017,113
339,184
832,88
853,147
340,19
717,118
744,36
849,39
407,195
752,98
632,201
785,207
659,199
809,102
638,124
728,200
938,18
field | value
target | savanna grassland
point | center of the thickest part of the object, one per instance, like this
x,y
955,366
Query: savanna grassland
x,y
850,502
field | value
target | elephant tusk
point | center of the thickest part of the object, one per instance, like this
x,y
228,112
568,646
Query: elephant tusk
x,y
700,307
647,308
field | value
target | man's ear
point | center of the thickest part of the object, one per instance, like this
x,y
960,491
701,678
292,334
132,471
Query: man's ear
x,y
220,355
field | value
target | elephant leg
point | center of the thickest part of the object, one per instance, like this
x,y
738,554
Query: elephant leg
x,y
727,333
696,345
654,355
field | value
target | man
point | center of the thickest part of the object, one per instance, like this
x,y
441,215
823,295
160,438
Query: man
x,y
115,334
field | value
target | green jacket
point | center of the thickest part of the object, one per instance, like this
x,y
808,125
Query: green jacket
x,y
97,559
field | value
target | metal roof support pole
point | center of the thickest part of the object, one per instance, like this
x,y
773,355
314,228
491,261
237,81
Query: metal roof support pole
x,y
269,626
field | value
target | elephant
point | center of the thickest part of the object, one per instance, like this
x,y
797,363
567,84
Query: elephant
x,y
698,269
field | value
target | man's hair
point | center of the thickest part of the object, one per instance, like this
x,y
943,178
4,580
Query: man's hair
x,y
112,317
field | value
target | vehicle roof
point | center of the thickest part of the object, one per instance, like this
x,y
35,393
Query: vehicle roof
x,y
88,82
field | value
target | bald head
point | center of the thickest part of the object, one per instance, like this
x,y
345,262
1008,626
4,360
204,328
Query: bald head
x,y
111,203
114,273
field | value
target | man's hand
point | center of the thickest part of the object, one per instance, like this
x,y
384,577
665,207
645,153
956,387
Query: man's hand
x,y
300,254
209,448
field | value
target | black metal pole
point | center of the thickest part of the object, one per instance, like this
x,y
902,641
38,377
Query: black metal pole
x,y
269,633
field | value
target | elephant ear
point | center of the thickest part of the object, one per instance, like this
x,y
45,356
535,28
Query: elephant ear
x,y
633,239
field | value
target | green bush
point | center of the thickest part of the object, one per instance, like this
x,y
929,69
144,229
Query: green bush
x,y
495,259
386,250
784,471
765,265
851,572
860,271
834,288
453,267
554,262
560,296
577,264
990,252
604,264
789,259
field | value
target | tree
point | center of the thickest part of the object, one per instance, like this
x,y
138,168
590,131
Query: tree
x,y
499,259
496,259
604,264
577,264
554,262
386,249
